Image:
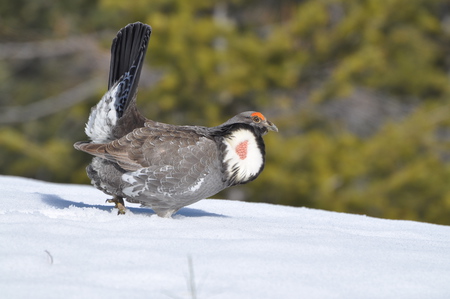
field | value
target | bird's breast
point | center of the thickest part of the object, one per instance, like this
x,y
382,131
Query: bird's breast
x,y
243,157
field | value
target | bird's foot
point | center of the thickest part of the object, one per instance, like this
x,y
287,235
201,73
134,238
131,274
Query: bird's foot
x,y
118,204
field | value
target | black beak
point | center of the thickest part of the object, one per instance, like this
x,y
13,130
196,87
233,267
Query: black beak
x,y
271,127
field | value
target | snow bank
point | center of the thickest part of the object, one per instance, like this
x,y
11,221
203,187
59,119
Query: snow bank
x,y
63,241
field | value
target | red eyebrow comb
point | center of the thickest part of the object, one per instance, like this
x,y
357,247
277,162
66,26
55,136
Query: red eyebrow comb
x,y
259,115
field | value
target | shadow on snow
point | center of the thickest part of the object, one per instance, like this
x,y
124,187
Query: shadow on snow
x,y
60,203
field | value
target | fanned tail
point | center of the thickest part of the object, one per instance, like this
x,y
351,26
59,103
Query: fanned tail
x,y
127,56
116,114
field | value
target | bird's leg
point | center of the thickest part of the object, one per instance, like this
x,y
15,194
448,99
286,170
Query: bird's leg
x,y
119,204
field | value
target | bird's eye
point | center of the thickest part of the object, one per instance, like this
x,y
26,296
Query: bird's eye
x,y
256,119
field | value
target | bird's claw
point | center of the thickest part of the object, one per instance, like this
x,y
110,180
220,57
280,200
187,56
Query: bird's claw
x,y
121,208
118,204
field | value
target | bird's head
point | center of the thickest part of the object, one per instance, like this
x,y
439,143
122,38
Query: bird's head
x,y
254,119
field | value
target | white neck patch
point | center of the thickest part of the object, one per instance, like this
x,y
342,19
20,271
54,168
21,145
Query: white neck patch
x,y
242,155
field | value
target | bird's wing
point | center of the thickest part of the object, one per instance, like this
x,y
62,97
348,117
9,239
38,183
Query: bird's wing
x,y
171,157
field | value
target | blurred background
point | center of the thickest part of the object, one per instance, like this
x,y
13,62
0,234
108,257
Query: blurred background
x,y
358,88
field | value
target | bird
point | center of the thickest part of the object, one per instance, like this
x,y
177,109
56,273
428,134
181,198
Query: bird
x,y
158,165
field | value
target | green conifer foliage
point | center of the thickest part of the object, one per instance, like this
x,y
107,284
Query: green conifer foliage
x,y
358,88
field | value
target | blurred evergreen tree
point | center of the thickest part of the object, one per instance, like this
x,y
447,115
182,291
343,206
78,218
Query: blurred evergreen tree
x,y
359,90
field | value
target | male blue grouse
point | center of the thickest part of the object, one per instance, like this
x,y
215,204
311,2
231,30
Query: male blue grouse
x,y
163,166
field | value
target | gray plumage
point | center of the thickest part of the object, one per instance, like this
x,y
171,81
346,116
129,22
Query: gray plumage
x,y
163,166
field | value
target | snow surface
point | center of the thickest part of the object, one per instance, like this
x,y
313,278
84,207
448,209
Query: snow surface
x,y
63,241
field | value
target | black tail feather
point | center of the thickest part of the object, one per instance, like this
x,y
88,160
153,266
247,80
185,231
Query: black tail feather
x,y
127,57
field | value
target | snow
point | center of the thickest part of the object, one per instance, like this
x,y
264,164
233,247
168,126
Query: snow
x,y
64,241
